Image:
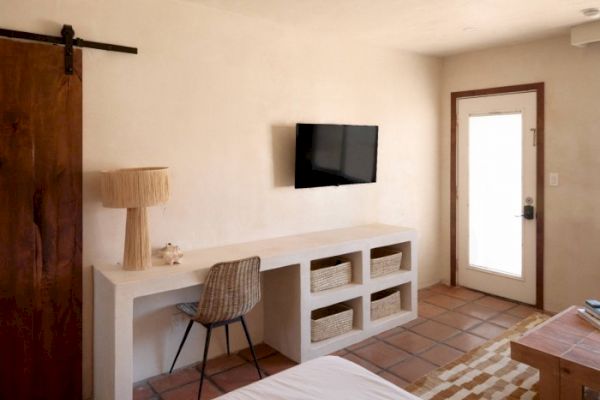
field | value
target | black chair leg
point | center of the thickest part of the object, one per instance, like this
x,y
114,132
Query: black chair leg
x,y
187,331
227,338
251,347
206,344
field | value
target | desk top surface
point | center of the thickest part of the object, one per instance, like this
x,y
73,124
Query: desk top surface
x,y
273,252
566,336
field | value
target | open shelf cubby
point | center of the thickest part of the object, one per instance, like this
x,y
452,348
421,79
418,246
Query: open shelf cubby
x,y
323,264
389,297
405,248
356,305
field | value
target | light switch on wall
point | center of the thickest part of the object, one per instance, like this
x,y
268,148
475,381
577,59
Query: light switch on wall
x,y
553,178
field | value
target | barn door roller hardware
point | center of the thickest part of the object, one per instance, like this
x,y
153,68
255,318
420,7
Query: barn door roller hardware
x,y
68,40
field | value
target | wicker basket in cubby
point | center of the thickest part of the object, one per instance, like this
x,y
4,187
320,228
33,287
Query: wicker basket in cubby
x,y
330,273
385,303
330,321
385,261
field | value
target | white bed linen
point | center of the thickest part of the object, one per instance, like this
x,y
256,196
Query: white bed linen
x,y
324,378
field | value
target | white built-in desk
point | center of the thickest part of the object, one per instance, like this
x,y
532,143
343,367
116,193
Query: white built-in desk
x,y
287,299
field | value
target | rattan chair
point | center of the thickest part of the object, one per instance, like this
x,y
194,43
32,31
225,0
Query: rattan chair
x,y
231,290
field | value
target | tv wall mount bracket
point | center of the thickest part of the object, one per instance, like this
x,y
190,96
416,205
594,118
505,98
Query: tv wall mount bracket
x,y
67,38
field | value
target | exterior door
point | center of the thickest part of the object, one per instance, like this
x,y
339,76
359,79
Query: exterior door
x,y
496,179
40,223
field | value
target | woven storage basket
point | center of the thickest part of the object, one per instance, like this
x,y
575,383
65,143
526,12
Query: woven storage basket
x,y
384,303
330,321
330,273
385,261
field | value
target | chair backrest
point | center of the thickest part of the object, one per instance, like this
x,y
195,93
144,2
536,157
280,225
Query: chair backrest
x,y
231,290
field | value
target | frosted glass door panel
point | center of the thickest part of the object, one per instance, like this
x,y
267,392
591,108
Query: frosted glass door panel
x,y
495,193
496,176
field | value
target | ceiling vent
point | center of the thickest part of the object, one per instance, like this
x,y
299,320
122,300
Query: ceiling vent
x,y
585,34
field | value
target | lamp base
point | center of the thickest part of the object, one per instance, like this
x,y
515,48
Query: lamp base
x,y
138,255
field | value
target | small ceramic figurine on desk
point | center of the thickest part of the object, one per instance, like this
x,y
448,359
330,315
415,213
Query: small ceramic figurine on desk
x,y
171,254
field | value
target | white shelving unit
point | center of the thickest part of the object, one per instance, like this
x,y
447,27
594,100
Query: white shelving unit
x,y
288,301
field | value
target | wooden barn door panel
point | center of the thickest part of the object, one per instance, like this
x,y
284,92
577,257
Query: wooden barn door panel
x,y
40,223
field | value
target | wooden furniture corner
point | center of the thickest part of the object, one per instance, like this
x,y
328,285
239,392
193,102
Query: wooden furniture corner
x,y
566,351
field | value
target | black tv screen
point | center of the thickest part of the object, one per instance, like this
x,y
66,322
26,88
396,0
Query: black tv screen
x,y
331,155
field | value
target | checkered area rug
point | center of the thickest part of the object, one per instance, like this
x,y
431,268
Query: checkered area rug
x,y
487,372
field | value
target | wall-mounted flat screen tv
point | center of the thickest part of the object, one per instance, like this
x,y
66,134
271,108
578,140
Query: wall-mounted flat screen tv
x,y
332,155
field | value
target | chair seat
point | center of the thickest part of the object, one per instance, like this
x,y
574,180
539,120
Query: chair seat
x,y
230,290
190,309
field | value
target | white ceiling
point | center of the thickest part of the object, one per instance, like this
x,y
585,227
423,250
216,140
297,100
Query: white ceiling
x,y
436,27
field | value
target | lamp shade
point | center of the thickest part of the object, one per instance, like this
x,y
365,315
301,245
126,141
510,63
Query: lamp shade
x,y
135,187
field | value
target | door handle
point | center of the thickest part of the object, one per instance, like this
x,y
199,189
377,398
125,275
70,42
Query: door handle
x,y
528,212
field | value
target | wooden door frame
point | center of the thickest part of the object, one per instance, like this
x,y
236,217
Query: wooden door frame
x,y
538,88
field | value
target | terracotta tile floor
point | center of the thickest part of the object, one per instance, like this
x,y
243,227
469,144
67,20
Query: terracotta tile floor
x,y
451,322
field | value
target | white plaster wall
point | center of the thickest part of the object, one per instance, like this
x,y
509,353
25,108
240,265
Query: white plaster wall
x,y
572,217
215,96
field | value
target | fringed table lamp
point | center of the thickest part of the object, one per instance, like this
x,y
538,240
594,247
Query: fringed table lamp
x,y
136,189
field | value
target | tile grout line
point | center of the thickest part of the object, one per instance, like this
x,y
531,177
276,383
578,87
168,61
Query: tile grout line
x,y
418,355
197,367
488,320
221,389
438,342
376,339
516,302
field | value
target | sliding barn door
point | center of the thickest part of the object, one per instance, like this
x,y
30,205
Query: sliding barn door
x,y
40,223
